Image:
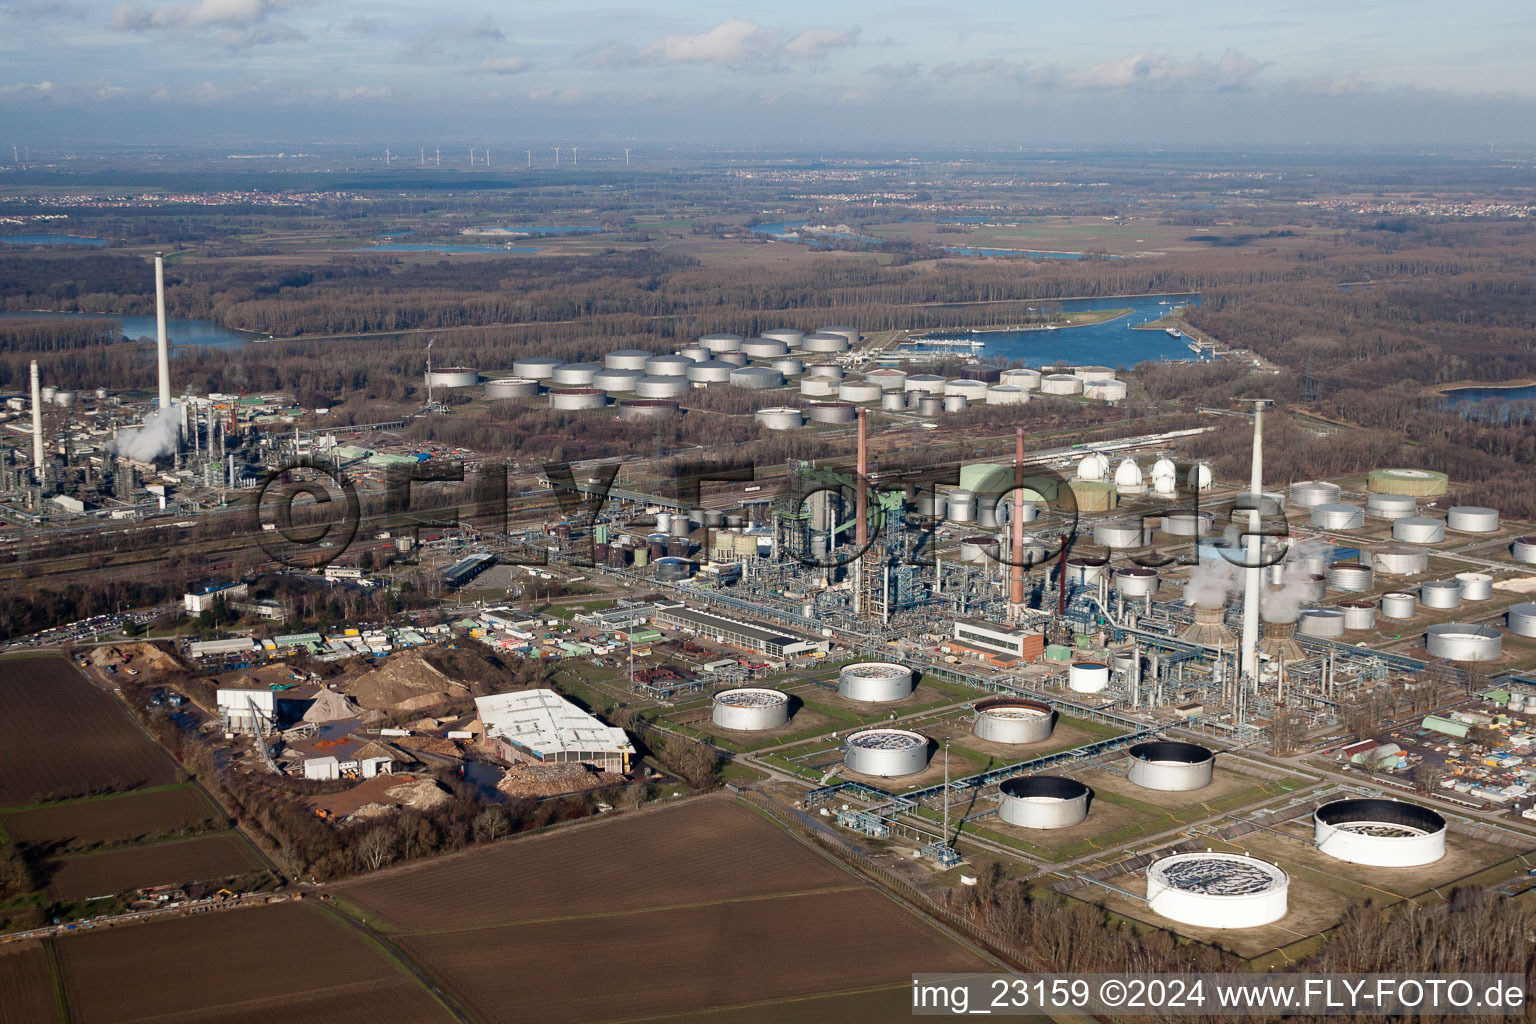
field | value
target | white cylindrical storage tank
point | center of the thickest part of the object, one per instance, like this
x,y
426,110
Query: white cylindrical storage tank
x,y
780,418
637,410
831,412
734,358
1105,390
1475,586
1521,619
1170,766
825,370
1398,559
1463,641
1440,594
956,403
617,380
751,709
1088,677
1043,801
627,359
817,386
536,367
1136,581
695,353
1351,576
721,342
1418,530
1094,374
824,343
886,753
1311,586
570,399
962,506
64,399
875,682
453,377
788,335
1325,623
661,387
969,388
1379,833
764,348
978,549
1334,516
1399,605
1086,569
931,503
888,379
789,366
1311,493
931,383
712,371
1524,549
1358,615
1119,533
668,366
575,375
930,405
1021,377
1013,720
893,401
1390,506
1006,394
1217,890
1061,384
49,392
756,377
1472,519
848,334
858,391
1185,522
511,387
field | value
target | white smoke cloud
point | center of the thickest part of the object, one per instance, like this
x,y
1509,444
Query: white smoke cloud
x,y
1283,603
154,438
1211,582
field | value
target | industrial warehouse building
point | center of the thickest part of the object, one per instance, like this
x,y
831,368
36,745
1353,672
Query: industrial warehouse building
x,y
466,569
988,638
771,642
543,727
200,599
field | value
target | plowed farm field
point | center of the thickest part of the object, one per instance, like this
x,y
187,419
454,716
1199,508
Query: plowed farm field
x,y
26,985
287,962
62,736
117,818
209,859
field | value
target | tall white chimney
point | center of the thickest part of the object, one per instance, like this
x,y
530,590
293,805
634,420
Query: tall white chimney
x,y
162,343
37,425
1253,575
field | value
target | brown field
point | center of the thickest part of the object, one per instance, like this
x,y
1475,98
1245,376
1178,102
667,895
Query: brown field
x,y
61,735
702,849
208,859
130,816
26,985
285,962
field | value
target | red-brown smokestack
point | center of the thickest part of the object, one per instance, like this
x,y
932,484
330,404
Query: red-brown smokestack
x,y
1016,591
861,513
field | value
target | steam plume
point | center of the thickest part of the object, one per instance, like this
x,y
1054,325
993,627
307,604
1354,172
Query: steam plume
x,y
154,438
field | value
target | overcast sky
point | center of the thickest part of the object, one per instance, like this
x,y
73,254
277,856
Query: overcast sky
x,y
1199,72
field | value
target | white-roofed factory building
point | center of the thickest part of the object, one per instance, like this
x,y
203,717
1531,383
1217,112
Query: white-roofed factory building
x,y
542,727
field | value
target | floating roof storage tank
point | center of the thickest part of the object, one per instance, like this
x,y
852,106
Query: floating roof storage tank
x,y
1043,801
1106,390
1186,522
1269,504
453,377
825,344
718,343
1419,482
1136,581
1086,568
1390,506
789,366
713,371
1061,384
1472,519
1475,586
1337,516
635,410
1170,766
1524,549
888,379
1440,594
875,682
1007,394
661,387
575,375
1398,559
780,418
764,348
1013,720
1358,614
1324,623
886,753
750,709
1312,493
1399,605
1418,530
1217,890
825,370
511,387
977,549
1379,833
617,380
571,399
627,359
858,391
1463,641
1021,377
734,358
788,335
668,366
1351,576
831,412
932,383
536,367
756,377
1119,533
848,334
1094,374
817,386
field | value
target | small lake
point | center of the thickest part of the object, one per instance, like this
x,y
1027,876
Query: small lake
x,y
181,330
1112,343
1493,405
1488,396
51,240
473,250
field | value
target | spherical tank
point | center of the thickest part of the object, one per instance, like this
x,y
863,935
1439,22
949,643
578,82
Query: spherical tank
x,y
1472,519
661,387
511,387
668,366
1379,833
751,709
875,682
1217,890
831,412
636,410
1043,801
627,359
617,380
780,418
453,377
756,377
577,398
1088,677
1171,766
536,367
1013,720
886,753
1093,466
1463,641
1128,478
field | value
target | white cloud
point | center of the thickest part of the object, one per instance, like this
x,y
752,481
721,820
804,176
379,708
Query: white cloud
x,y
1136,72
502,66
237,24
733,43
27,90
